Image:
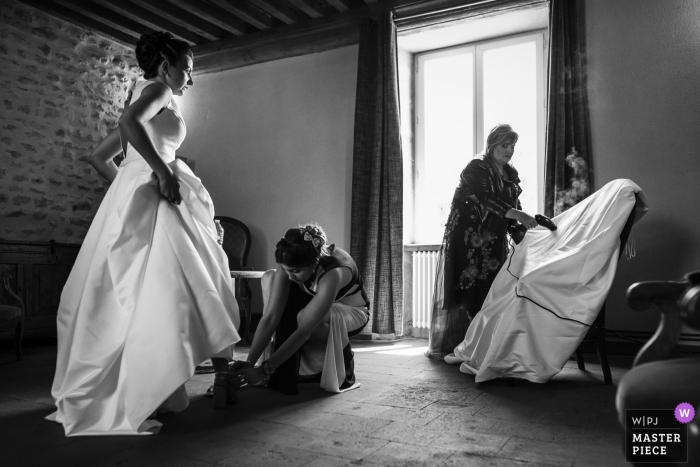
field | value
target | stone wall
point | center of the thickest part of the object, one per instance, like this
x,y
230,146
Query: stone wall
x,y
61,89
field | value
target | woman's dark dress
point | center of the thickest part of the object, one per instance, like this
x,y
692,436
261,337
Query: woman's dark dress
x,y
286,376
474,248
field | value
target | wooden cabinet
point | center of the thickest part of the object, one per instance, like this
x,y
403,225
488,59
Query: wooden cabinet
x,y
39,272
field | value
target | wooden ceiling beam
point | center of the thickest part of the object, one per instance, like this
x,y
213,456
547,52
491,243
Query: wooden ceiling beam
x,y
246,13
213,15
310,7
277,9
150,19
310,36
182,18
340,5
83,21
103,15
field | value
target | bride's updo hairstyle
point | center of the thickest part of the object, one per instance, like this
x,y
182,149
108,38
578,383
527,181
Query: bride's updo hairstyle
x,y
301,246
155,47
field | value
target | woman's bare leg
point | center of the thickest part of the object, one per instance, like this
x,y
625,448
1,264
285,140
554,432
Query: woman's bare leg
x,y
266,286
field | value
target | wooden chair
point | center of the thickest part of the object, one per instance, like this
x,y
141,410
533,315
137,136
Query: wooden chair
x,y
655,382
596,334
12,317
236,244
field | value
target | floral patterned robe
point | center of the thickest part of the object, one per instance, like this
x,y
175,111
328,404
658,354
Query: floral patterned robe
x,y
473,250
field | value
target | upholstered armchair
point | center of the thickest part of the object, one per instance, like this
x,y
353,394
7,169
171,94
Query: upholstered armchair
x,y
11,316
656,382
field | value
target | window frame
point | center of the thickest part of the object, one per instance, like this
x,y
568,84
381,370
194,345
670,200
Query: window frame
x,y
478,48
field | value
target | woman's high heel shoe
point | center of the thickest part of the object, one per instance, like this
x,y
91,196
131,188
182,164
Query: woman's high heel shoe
x,y
225,391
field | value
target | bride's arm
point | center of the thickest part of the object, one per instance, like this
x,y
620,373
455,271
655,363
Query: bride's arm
x,y
101,158
153,98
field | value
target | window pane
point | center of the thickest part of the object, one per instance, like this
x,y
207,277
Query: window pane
x,y
448,139
510,94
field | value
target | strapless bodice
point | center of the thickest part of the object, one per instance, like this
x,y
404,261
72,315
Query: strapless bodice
x,y
167,129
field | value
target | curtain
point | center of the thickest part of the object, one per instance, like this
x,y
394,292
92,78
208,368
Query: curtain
x,y
568,169
376,241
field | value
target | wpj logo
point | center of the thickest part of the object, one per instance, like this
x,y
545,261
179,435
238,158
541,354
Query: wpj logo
x,y
658,435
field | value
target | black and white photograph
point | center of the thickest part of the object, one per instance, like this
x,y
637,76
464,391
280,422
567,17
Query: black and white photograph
x,y
336,233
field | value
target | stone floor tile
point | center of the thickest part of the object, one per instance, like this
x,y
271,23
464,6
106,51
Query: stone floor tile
x,y
347,423
27,392
586,439
401,455
345,445
327,461
401,400
446,406
457,398
512,412
272,433
596,458
224,451
409,416
526,430
424,399
85,451
359,409
455,421
268,457
298,417
404,433
538,452
363,376
146,457
471,443
465,459
389,370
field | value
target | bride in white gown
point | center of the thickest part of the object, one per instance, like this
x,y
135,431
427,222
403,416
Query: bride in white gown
x,y
569,271
149,297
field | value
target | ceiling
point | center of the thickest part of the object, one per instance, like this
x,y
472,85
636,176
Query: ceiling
x,y
198,22
226,34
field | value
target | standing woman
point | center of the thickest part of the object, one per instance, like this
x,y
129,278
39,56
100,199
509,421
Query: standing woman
x,y
149,297
484,208
313,303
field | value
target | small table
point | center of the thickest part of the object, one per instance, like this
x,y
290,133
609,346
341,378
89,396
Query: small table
x,y
246,275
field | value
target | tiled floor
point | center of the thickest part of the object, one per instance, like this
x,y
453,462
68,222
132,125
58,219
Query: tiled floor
x,y
410,411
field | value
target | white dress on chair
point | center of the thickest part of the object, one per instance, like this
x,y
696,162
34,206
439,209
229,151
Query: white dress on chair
x,y
148,299
569,271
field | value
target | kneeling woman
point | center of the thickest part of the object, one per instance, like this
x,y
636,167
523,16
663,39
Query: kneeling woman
x,y
314,301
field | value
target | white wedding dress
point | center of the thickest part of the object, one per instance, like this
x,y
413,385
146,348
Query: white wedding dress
x,y
148,299
569,271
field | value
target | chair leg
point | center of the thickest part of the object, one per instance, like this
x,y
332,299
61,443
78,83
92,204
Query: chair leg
x,y
579,360
603,358
18,341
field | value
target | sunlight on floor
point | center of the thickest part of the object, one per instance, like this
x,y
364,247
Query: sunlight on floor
x,y
410,352
399,349
384,347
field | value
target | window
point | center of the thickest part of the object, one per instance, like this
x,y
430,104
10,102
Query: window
x,y
461,93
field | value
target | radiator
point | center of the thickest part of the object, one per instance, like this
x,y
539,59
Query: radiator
x,y
424,264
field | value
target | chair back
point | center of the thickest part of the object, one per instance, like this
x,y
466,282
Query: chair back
x,y
236,242
679,303
593,332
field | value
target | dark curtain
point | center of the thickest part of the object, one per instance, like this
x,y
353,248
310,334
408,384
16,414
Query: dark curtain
x,y
568,169
377,176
